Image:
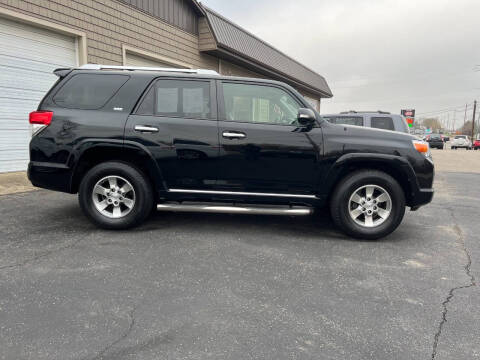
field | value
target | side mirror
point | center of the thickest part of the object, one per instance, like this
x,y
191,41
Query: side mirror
x,y
306,117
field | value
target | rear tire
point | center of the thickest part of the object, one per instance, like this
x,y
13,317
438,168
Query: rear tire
x,y
115,195
344,206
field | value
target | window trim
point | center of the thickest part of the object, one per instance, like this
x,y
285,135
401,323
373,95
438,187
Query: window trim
x,y
67,80
212,93
222,114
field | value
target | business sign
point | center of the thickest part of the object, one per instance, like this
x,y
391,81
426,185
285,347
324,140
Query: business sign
x,y
409,115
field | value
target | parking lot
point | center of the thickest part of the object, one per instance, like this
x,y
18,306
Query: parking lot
x,y
197,286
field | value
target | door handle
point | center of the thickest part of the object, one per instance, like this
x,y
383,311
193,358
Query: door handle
x,y
146,129
233,135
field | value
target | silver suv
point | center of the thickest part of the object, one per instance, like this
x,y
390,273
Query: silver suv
x,y
373,119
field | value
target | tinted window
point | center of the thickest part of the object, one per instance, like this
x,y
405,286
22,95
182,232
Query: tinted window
x,y
148,103
345,120
183,98
89,91
259,104
435,137
385,123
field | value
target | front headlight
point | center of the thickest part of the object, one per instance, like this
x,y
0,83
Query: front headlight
x,y
422,147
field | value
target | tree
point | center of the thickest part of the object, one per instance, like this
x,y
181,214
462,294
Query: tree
x,y
432,123
466,129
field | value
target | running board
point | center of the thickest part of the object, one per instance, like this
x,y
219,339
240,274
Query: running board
x,y
232,209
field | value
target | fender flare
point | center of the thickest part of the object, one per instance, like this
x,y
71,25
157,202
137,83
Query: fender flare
x,y
338,170
125,149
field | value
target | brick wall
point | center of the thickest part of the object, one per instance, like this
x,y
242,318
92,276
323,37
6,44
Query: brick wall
x,y
109,24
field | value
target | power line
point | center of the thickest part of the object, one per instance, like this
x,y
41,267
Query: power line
x,y
443,111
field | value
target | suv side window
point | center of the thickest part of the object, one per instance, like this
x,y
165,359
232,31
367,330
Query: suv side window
x,y
259,104
89,91
178,98
345,120
385,123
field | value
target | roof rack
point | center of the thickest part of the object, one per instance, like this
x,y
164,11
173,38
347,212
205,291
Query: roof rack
x,y
140,68
365,112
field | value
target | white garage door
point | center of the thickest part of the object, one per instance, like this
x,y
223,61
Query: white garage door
x,y
136,60
28,55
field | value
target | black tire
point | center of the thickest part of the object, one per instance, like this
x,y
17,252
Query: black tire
x,y
339,204
144,197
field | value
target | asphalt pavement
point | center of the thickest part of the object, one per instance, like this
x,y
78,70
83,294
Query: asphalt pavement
x,y
206,286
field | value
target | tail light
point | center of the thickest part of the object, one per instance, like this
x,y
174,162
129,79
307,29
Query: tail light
x,y
41,117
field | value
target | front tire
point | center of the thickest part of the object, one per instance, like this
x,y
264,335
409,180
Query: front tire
x,y
368,204
115,195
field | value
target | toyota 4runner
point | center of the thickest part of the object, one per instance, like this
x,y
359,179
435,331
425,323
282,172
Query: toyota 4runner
x,y
129,140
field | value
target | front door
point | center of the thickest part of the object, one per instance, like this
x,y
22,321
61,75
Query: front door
x,y
177,122
262,147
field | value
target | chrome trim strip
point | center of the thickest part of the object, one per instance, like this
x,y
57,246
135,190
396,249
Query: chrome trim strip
x,y
298,211
187,191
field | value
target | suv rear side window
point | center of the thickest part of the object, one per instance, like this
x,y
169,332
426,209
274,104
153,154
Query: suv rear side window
x,y
385,123
180,98
345,120
89,91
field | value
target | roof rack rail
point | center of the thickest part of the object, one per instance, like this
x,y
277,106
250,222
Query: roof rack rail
x,y
140,68
365,112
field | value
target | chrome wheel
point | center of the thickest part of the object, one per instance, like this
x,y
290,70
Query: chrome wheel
x,y
370,206
113,197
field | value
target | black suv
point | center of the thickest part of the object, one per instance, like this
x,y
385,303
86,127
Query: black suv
x,y
129,140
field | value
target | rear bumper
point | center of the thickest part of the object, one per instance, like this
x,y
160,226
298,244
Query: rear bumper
x,y
50,176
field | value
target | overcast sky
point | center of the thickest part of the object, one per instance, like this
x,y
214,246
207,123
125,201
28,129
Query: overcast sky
x,y
375,54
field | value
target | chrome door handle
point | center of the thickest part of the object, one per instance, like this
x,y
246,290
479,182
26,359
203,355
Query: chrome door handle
x,y
233,135
144,128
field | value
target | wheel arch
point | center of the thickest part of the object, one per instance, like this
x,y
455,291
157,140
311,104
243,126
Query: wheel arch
x,y
395,166
90,154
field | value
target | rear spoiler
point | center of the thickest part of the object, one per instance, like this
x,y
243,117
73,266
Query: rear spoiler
x,y
62,72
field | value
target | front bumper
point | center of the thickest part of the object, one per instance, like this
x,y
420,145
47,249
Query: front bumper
x,y
50,176
421,197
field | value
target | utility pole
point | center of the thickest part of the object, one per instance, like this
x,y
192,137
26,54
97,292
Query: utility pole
x,y
454,119
473,118
465,117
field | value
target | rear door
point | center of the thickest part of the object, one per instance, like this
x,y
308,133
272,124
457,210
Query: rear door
x,y
177,122
262,147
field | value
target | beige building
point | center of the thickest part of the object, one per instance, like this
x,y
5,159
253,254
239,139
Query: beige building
x,y
37,36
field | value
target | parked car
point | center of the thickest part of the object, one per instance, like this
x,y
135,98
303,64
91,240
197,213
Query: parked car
x,y
128,140
435,141
374,119
476,144
461,141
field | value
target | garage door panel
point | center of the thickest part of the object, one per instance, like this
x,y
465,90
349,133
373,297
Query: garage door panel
x,y
27,33
16,109
37,52
13,165
32,82
14,139
11,63
28,56
137,60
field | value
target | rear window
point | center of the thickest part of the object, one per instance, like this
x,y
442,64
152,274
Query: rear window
x,y
89,91
345,120
460,137
385,123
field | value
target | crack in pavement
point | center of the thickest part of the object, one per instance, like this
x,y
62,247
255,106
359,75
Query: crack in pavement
x,y
451,293
121,338
43,254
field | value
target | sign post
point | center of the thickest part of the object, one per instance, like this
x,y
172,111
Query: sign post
x,y
409,115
